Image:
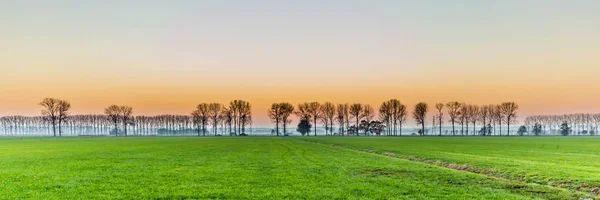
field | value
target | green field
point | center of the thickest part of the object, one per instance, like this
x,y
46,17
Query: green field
x,y
298,168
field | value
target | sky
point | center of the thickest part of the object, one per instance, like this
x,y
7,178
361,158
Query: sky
x,y
168,56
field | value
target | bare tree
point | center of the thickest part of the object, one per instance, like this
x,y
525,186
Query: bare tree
x,y
328,115
286,110
454,112
50,111
215,111
509,110
385,115
63,114
484,115
126,117
420,114
463,118
245,116
275,114
242,114
342,116
498,116
303,112
474,116
315,111
356,111
400,116
113,113
200,117
368,114
440,116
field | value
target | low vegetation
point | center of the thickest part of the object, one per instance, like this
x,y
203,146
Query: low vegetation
x,y
571,163
268,168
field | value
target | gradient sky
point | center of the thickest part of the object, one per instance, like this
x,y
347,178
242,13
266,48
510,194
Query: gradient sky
x,y
167,56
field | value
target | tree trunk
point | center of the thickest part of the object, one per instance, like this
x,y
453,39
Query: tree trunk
x,y
59,129
356,131
315,119
277,127
54,127
453,131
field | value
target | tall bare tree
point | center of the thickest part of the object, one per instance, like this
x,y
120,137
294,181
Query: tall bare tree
x,y
286,110
509,110
400,116
63,114
50,111
356,111
385,115
420,114
440,116
484,116
275,114
303,112
200,117
463,118
315,111
126,117
474,116
342,116
113,114
454,112
328,115
368,114
498,116
242,115
215,111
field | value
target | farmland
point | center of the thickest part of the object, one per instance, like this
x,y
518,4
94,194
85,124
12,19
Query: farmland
x,y
294,167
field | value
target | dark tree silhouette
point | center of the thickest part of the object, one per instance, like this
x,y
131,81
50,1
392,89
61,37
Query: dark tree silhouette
x,y
113,114
498,116
63,114
50,111
241,114
215,111
201,116
565,129
367,114
342,117
440,116
522,130
303,113
126,117
286,110
509,110
400,116
385,116
328,115
454,113
275,114
484,116
314,108
356,111
304,127
420,114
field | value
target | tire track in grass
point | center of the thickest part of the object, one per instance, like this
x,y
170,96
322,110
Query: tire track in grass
x,y
591,192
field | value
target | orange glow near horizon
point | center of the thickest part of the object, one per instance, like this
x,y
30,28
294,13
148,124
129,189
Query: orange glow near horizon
x,y
166,58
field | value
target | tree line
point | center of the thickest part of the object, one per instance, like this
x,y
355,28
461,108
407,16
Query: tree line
x,y
120,121
580,124
354,119
349,119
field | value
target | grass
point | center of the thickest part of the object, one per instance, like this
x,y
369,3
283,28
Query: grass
x,y
252,168
568,162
